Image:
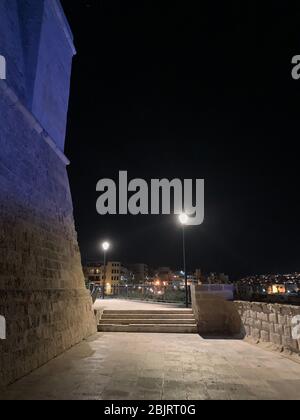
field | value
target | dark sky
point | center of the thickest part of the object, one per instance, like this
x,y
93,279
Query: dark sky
x,y
164,89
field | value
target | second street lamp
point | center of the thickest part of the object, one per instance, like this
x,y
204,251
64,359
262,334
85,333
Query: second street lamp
x,y
183,218
105,247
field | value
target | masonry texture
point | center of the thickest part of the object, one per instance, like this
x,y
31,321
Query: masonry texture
x,y
270,323
42,292
213,314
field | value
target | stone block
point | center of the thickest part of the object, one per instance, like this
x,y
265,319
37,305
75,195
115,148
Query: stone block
x,y
279,329
286,310
290,344
257,307
273,318
250,322
282,319
255,333
247,330
263,316
275,338
266,326
287,331
265,336
257,324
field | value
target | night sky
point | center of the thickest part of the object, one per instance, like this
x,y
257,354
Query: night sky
x,y
164,89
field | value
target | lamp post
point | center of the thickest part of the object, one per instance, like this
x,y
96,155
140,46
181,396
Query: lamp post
x,y
183,219
105,247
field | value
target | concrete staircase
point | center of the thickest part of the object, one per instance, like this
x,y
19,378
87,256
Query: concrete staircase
x,y
151,321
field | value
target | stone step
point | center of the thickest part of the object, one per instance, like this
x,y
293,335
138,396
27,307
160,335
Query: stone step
x,y
149,328
134,321
131,315
180,321
149,312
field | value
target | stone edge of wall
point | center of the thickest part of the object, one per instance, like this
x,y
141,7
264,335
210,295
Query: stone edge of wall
x,y
58,9
31,120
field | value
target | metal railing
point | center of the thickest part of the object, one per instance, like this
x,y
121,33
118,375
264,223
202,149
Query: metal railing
x,y
168,294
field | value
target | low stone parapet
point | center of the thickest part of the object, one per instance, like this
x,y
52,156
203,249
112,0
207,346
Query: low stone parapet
x,y
277,324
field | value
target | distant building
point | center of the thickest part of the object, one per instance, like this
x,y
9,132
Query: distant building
x,y
139,273
164,274
276,287
93,273
126,276
112,274
215,278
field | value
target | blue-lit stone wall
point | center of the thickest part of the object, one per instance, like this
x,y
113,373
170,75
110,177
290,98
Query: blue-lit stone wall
x,y
42,293
38,45
52,82
11,45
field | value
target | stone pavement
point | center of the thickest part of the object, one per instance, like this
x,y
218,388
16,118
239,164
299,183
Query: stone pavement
x,y
132,305
121,366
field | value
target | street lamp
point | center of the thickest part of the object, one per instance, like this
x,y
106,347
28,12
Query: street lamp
x,y
183,219
105,247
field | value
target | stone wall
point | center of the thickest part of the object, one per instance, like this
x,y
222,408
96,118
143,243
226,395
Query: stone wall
x,y
42,292
37,43
10,29
270,323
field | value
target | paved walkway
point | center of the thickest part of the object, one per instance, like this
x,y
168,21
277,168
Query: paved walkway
x,y
120,366
123,305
